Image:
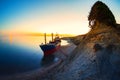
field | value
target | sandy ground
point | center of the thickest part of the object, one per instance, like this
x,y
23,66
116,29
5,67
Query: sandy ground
x,y
61,54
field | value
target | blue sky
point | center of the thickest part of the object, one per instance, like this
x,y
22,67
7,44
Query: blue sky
x,y
62,16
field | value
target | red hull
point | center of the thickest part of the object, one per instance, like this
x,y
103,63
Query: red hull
x,y
49,52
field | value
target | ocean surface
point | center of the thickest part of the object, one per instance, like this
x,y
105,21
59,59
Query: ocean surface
x,y
20,54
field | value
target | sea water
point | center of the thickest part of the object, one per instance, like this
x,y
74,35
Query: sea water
x,y
20,53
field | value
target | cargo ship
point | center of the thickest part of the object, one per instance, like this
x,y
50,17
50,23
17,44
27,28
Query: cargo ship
x,y
52,46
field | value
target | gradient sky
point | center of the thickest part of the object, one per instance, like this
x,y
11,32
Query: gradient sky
x,y
61,16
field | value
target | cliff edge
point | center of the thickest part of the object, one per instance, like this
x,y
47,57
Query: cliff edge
x,y
97,55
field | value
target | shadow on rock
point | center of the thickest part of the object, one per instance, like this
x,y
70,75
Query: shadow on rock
x,y
104,66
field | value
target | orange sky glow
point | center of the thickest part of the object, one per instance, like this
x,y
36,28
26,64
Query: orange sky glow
x,y
63,17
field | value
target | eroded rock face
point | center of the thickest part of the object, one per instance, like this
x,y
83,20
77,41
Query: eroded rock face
x,y
97,47
106,60
92,61
101,13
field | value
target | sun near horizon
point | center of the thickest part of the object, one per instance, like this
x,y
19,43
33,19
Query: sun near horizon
x,y
38,16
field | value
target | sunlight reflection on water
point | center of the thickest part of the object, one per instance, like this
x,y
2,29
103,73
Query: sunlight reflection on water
x,y
21,53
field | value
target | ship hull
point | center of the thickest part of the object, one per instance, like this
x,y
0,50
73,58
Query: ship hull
x,y
49,49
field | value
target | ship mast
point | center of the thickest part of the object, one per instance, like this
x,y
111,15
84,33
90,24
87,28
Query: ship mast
x,y
45,37
52,36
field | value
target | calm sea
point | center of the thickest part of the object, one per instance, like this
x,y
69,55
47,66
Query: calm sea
x,y
20,53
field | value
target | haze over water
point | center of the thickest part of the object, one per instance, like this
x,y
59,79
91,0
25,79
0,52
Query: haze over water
x,y
20,53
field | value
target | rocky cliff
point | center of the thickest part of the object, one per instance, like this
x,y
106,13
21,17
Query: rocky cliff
x,y
97,55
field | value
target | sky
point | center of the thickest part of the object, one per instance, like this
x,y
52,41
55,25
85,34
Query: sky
x,y
61,16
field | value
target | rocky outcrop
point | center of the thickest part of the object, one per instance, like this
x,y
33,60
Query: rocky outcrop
x,y
97,55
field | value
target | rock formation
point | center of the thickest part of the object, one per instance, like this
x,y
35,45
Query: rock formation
x,y
97,56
